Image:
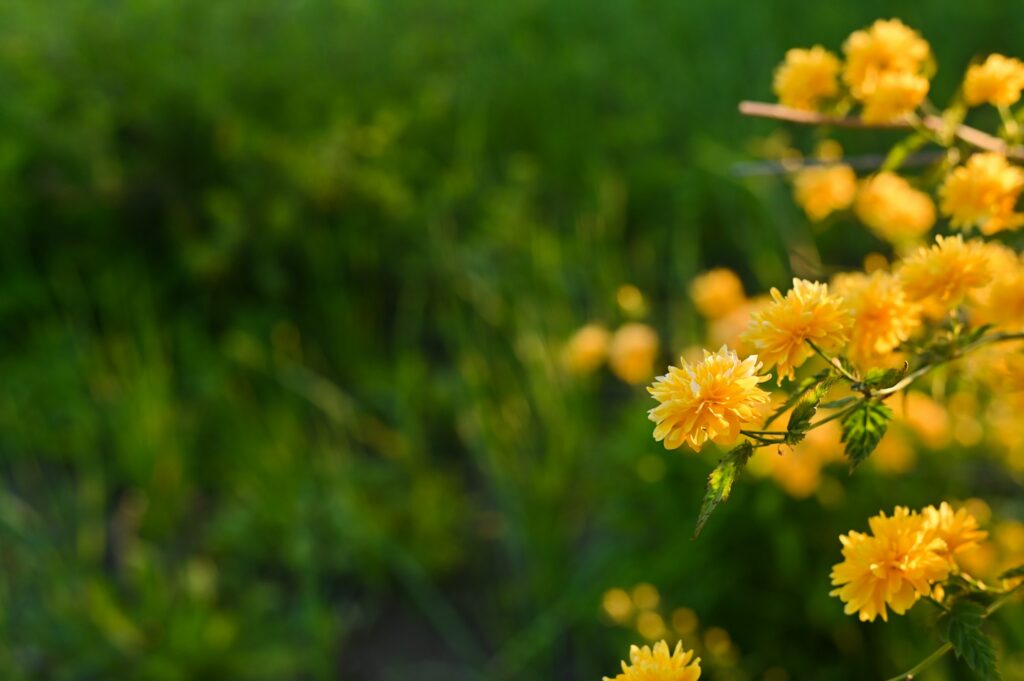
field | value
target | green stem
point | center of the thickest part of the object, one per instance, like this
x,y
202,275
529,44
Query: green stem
x,y
922,370
924,664
832,362
946,647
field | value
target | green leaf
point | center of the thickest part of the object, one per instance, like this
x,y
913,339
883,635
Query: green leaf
x,y
802,388
1013,572
961,628
800,419
863,429
902,150
841,402
879,379
720,482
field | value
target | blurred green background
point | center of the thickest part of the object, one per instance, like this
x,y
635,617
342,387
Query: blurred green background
x,y
283,291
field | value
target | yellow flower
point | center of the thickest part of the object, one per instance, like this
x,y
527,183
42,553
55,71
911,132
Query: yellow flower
x,y
633,349
896,94
659,665
893,566
710,400
586,349
894,210
983,193
806,77
944,273
957,529
882,316
1002,301
998,81
717,292
887,47
823,189
779,333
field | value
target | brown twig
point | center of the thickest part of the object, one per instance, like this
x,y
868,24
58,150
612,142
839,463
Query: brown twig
x,y
972,136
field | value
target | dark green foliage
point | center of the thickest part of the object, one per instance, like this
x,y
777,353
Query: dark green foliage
x,y
961,627
283,291
720,482
863,428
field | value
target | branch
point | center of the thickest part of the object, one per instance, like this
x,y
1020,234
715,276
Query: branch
x,y
946,647
965,133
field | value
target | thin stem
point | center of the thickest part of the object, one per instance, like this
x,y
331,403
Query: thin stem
x,y
1002,600
924,664
1010,125
763,435
946,647
965,133
833,362
922,370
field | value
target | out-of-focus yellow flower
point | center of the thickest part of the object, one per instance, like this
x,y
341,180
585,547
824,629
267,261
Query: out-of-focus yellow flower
x,y
717,292
885,47
893,455
943,274
650,625
684,621
586,349
983,193
631,300
634,347
1002,301
617,604
728,330
806,77
958,529
894,210
658,664
997,81
891,567
710,400
780,332
896,94
646,596
927,418
821,190
882,316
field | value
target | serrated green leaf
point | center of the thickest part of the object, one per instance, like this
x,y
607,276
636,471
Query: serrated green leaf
x,y
1013,572
961,628
720,482
863,429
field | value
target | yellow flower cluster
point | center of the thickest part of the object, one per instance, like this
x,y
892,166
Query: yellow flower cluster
x,y
710,400
893,209
884,69
781,333
807,77
983,193
659,664
901,559
997,81
716,293
631,351
883,315
822,190
943,274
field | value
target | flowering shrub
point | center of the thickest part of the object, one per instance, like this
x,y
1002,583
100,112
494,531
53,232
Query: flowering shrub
x,y
871,335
